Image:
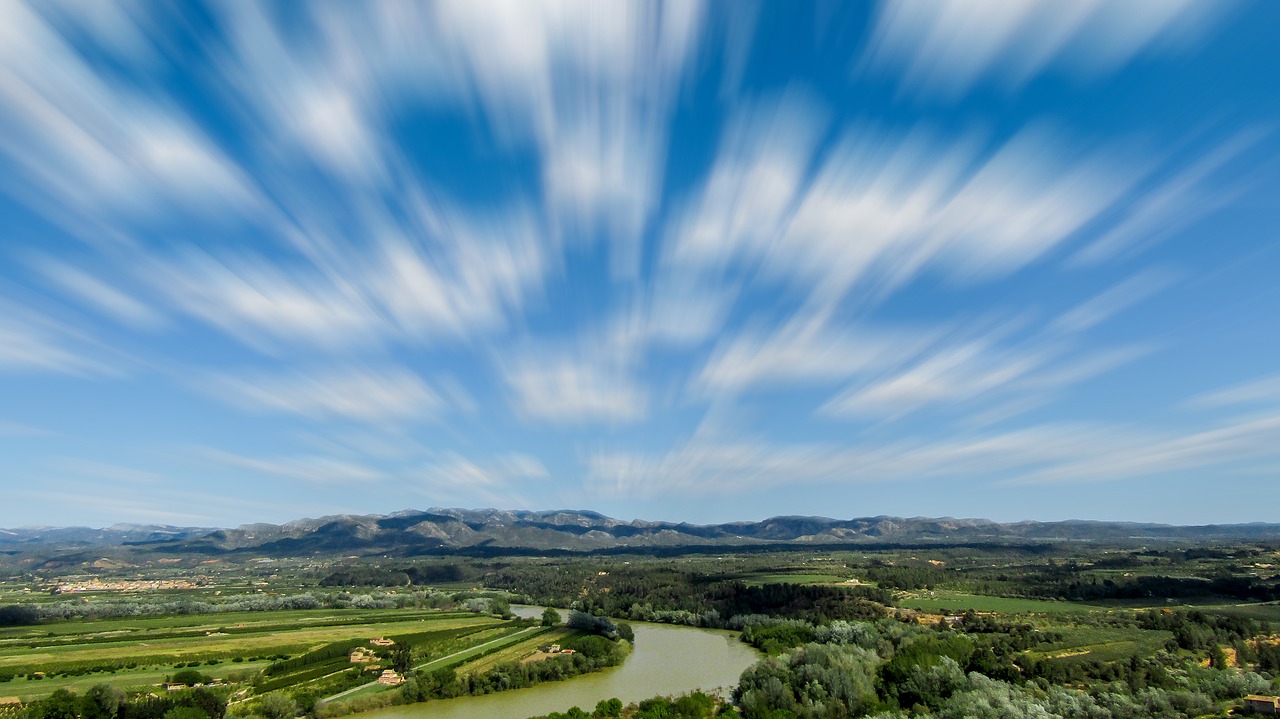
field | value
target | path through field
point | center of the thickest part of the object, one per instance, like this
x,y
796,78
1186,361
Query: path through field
x,y
438,660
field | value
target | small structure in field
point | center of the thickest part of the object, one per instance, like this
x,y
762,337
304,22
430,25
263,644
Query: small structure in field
x,y
382,642
1259,704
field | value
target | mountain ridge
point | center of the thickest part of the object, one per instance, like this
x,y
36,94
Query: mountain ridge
x,y
440,529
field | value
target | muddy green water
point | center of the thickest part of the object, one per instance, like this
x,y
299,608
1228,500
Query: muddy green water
x,y
666,660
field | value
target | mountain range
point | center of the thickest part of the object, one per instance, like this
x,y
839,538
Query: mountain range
x,y
492,531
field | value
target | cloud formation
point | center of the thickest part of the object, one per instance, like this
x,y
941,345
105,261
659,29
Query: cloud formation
x,y
494,252
945,48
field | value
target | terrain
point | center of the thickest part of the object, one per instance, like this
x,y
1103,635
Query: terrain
x,y
882,617
495,532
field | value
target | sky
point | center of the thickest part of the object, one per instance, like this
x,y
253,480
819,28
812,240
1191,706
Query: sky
x,y
1001,258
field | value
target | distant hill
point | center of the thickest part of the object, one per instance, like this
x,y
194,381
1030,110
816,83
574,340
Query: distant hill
x,y
492,531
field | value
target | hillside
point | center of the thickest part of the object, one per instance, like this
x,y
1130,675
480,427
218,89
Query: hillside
x,y
491,531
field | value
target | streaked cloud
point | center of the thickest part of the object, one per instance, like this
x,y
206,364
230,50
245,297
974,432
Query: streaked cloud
x,y
33,342
358,394
99,296
1261,391
713,465
306,468
946,48
594,87
566,389
481,252
501,482
94,153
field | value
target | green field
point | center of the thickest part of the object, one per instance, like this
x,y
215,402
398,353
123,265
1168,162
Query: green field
x,y
130,653
479,646
461,657
517,651
129,679
1102,643
943,602
796,578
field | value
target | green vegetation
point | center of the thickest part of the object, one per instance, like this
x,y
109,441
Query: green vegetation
x,y
983,630
691,706
945,602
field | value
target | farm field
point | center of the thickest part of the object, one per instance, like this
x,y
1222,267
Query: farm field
x,y
80,631
526,646
207,648
474,652
953,602
1102,643
133,653
796,578
127,680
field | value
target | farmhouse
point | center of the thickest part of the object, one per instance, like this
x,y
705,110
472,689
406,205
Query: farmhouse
x,y
1259,704
360,655
382,642
390,678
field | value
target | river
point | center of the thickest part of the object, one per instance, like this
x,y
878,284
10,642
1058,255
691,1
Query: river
x,y
666,660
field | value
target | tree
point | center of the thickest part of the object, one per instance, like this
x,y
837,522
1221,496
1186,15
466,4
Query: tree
x,y
402,658
16,615
608,709
101,702
185,713
190,677
626,632
61,704
550,617
500,606
206,700
278,706
596,625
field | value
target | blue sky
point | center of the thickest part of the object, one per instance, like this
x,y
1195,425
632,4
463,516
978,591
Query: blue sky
x,y
692,262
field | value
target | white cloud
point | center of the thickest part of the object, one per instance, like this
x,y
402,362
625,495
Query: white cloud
x,y
761,167
100,296
710,464
306,468
1220,448
596,84
261,302
569,390
93,152
945,48
883,210
498,482
359,394
950,374
806,349
1186,195
318,97
32,342
1098,309
713,465
438,274
1262,391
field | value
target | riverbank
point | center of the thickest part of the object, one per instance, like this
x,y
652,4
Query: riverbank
x,y
666,660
